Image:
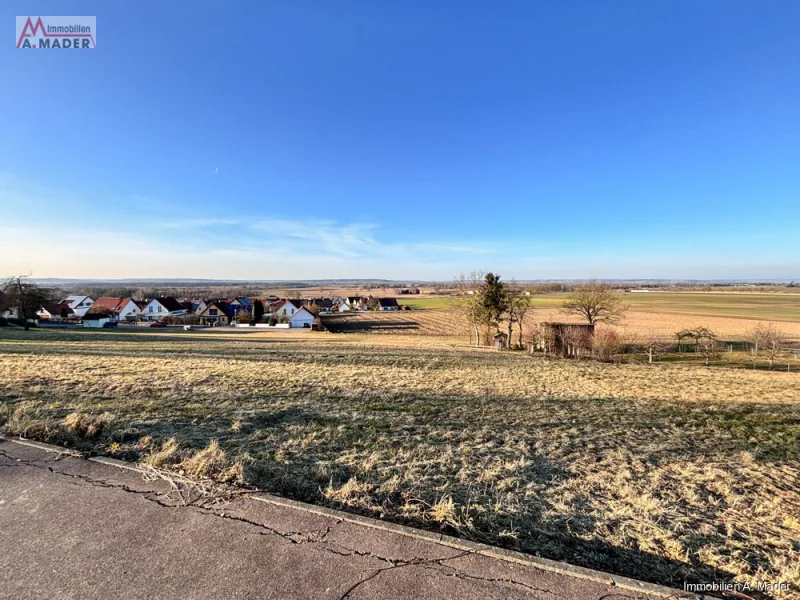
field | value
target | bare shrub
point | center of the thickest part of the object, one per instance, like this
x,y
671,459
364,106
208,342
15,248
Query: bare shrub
x,y
606,344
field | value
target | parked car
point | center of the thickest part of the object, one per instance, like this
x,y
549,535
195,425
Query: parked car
x,y
109,325
158,324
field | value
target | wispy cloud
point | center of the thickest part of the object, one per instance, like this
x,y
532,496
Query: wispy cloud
x,y
196,223
348,240
177,243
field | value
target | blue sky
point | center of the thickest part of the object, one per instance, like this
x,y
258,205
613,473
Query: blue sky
x,y
405,140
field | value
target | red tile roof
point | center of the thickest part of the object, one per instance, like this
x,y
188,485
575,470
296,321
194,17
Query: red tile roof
x,y
112,304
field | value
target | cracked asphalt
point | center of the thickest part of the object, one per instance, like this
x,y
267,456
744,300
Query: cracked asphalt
x,y
73,528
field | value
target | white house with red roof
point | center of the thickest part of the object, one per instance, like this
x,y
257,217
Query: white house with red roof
x,y
283,308
121,308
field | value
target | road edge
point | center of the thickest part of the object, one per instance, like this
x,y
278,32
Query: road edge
x,y
544,564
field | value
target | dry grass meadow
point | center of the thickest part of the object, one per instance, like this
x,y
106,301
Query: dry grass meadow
x,y
666,473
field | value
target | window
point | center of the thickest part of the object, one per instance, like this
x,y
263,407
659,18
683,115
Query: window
x,y
213,312
150,308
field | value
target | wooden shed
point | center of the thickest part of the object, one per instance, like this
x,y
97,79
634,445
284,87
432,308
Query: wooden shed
x,y
500,340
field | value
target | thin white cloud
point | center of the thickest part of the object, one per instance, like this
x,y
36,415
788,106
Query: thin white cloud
x,y
196,223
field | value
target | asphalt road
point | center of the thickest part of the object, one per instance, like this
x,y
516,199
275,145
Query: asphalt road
x,y
73,528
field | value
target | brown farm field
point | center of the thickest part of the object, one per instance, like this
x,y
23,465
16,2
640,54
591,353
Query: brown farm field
x,y
666,473
446,322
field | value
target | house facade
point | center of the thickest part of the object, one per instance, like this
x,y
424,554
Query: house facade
x,y
388,304
357,302
302,317
157,308
79,304
128,309
240,305
55,312
121,309
284,308
216,313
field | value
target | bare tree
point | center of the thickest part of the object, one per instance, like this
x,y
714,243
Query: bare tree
x,y
25,297
682,335
596,302
652,346
518,306
469,302
707,343
768,341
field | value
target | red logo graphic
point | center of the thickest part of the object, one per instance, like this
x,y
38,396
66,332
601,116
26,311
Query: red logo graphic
x,y
29,26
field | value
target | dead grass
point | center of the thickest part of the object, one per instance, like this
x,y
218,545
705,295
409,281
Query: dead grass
x,y
84,425
664,472
212,463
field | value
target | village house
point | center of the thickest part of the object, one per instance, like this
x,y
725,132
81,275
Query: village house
x,y
357,302
201,306
302,317
54,312
284,308
215,312
157,308
321,305
121,309
239,305
128,309
79,304
388,304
